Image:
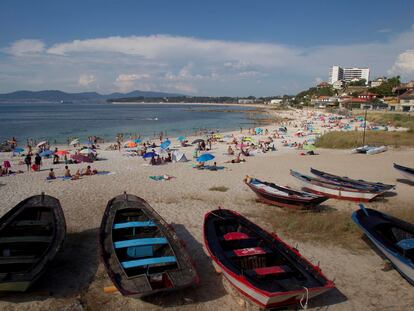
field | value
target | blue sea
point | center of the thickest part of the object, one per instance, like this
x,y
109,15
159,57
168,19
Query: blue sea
x,y
57,122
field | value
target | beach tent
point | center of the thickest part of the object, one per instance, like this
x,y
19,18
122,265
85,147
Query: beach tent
x,y
41,144
178,156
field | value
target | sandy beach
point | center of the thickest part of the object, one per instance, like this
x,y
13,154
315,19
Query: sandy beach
x,y
76,278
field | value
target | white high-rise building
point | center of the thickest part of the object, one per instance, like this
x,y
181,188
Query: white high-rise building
x,y
348,74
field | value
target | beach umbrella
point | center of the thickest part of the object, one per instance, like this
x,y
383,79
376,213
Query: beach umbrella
x,y
74,142
18,150
309,147
258,130
137,140
87,151
62,152
199,140
205,157
149,155
46,153
131,144
181,138
41,143
81,158
165,144
247,139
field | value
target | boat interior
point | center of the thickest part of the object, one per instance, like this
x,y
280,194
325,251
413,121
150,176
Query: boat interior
x,y
141,247
268,265
25,239
396,237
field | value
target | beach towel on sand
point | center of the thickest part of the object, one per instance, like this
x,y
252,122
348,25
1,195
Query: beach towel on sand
x,y
161,177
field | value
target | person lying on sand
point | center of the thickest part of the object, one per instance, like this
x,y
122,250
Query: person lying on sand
x,y
236,160
200,165
76,176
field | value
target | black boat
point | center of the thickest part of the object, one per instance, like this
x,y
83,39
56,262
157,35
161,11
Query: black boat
x,y
271,193
353,183
407,172
259,264
30,236
142,254
392,236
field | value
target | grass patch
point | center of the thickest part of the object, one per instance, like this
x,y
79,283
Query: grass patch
x,y
334,227
219,188
396,119
345,140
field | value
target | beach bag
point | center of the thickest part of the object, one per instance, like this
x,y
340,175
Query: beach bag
x,y
35,167
6,164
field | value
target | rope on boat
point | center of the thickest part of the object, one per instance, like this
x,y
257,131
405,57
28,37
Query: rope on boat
x,y
305,306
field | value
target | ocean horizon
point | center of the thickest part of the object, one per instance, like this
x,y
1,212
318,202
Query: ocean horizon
x,y
58,122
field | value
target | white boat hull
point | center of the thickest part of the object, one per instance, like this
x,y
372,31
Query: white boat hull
x,y
339,193
268,301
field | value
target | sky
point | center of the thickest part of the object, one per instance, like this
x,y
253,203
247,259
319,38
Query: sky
x,y
214,48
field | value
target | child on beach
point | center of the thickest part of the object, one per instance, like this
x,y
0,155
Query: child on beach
x,y
51,174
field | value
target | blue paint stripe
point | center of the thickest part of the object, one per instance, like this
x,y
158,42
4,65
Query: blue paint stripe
x,y
140,242
132,224
148,261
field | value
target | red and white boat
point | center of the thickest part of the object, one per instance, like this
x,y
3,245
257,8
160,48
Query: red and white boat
x,y
259,264
336,190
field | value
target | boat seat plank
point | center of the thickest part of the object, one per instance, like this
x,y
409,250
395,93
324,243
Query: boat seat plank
x,y
17,260
134,224
244,252
27,223
273,270
26,239
140,242
406,244
231,236
148,261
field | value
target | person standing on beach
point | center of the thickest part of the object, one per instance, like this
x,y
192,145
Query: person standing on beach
x,y
28,161
38,162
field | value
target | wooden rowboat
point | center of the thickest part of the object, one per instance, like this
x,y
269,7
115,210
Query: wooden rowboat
x,y
407,172
392,236
353,183
142,254
259,264
31,234
271,193
335,190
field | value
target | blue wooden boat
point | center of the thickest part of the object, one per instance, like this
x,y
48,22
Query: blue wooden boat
x,y
142,254
392,236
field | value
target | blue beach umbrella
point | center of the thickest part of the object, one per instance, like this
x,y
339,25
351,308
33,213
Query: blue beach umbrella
x,y
18,150
181,138
46,153
137,140
165,144
149,155
205,157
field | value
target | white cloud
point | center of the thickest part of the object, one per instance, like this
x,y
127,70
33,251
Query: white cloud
x,y
85,79
126,82
186,64
131,77
25,46
404,63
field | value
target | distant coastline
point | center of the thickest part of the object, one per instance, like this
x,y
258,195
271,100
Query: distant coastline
x,y
190,104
